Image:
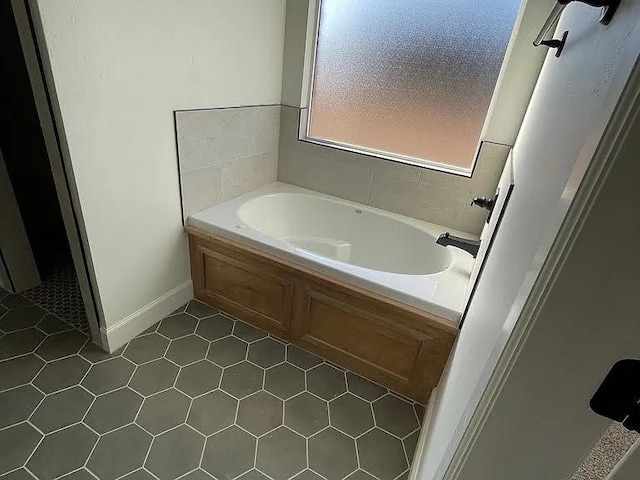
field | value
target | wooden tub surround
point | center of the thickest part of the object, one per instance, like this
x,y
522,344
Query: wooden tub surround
x,y
396,345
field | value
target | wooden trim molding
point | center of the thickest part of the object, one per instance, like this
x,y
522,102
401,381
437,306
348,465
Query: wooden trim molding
x,y
389,342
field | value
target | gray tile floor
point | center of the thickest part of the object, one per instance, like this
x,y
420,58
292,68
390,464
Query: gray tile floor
x,y
197,396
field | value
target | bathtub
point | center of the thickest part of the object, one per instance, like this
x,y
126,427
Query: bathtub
x,y
389,254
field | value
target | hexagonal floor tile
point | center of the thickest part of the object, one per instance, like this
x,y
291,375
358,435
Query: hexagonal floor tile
x,y
410,444
94,354
395,415
332,454
307,475
260,413
113,410
16,444
82,474
140,474
146,348
284,381
187,350
227,351
61,374
242,379
301,358
109,375
129,445
21,318
381,454
51,324
13,301
281,454
177,326
214,328
247,332
212,412
326,382
198,474
21,474
364,388
62,409
351,415
200,309
62,452
61,345
17,404
306,414
266,352
19,371
360,475
153,377
229,453
163,411
175,453
199,378
20,343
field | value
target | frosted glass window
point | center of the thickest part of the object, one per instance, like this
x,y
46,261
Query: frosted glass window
x,y
408,78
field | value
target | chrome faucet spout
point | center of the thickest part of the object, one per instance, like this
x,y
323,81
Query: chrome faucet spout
x,y
468,245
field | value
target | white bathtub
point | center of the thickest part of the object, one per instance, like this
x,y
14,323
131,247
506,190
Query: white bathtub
x,y
390,254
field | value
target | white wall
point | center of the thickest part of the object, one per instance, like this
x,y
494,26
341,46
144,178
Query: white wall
x,y
567,116
121,67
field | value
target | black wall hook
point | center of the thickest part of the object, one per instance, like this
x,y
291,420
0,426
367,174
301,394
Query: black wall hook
x,y
557,44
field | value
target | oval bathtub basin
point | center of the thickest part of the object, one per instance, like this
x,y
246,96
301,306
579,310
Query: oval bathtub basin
x,y
390,254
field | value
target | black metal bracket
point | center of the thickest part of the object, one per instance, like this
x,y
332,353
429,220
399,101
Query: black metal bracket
x,y
558,44
618,398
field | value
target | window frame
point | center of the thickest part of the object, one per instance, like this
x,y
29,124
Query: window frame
x,y
307,96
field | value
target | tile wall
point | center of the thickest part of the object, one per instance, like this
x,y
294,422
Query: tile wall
x,y
225,152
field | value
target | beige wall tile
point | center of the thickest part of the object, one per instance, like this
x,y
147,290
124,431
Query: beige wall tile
x,y
266,129
245,174
201,189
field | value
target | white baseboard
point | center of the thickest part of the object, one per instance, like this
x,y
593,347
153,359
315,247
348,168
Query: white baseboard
x,y
129,327
424,433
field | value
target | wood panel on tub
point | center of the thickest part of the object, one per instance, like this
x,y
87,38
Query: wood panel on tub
x,y
386,341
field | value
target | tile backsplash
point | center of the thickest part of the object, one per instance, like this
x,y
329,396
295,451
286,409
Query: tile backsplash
x,y
416,192
225,152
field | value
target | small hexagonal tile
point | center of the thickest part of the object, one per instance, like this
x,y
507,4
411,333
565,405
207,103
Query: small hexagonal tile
x,y
281,454
301,358
20,343
229,453
17,404
95,354
381,454
326,382
187,350
410,444
306,414
199,378
16,444
260,413
284,381
214,328
61,374
266,352
242,379
13,301
395,415
177,326
154,377
146,348
62,452
364,388
62,409
129,445
21,318
175,453
212,412
61,345
247,332
51,324
227,351
351,415
19,371
109,375
113,410
200,310
163,411
332,454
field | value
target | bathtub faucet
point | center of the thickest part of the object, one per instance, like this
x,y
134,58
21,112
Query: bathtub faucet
x,y
468,245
